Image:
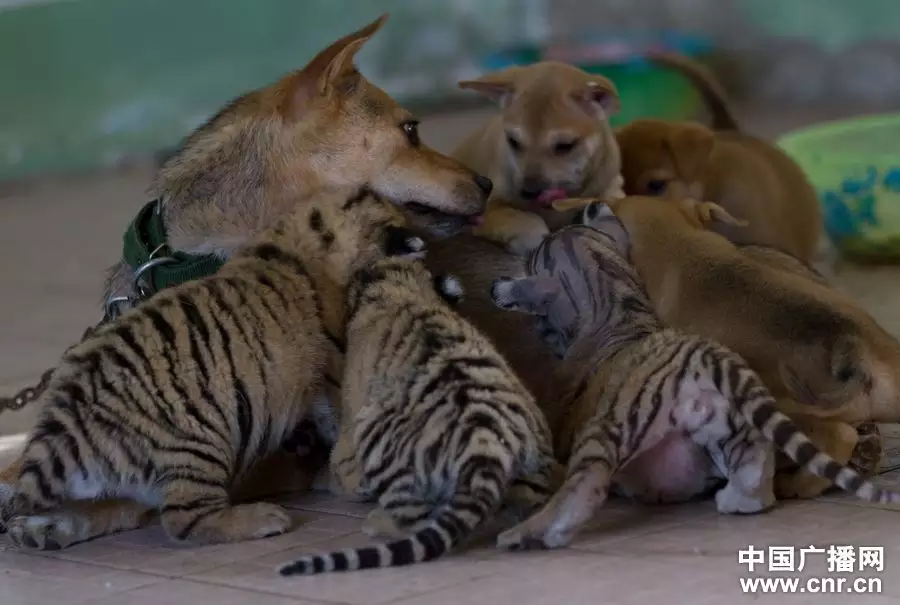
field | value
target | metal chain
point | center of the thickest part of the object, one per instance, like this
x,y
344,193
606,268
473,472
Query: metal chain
x,y
31,393
112,309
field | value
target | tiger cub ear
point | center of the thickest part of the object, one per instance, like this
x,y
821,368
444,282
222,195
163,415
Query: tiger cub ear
x,y
532,295
403,242
599,216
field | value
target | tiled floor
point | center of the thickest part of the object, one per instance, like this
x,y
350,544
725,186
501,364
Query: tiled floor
x,y
55,240
632,555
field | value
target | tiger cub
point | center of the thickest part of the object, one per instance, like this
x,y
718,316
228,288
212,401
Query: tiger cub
x,y
172,403
434,423
637,384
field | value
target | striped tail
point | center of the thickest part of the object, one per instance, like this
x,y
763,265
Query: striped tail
x,y
443,534
758,407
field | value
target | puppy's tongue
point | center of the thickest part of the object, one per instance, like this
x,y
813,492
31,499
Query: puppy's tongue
x,y
548,196
475,220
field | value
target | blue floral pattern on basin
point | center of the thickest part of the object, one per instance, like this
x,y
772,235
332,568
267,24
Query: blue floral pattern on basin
x,y
851,208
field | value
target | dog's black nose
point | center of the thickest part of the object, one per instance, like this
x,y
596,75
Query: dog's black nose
x,y
484,184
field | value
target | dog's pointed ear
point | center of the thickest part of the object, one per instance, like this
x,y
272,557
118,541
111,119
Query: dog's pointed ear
x,y
706,214
532,295
498,86
598,215
331,69
598,96
691,146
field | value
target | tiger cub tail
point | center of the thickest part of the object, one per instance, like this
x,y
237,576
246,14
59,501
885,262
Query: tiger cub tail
x,y
757,405
450,525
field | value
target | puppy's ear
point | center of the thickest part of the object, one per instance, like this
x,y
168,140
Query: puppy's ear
x,y
498,86
690,146
329,71
532,295
600,216
705,214
449,288
598,96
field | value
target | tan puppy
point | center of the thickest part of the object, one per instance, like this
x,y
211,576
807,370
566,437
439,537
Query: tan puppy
x,y
826,359
751,178
551,141
324,129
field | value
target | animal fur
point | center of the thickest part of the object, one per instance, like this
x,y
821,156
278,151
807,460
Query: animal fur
x,y
435,424
638,384
322,132
828,362
552,140
175,401
752,179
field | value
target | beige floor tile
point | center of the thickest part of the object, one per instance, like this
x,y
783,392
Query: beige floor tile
x,y
572,577
369,587
179,592
31,580
149,550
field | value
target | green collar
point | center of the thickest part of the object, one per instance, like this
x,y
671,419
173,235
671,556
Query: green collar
x,y
145,240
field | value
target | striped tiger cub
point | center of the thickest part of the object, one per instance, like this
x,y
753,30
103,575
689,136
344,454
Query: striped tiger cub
x,y
434,423
172,403
638,384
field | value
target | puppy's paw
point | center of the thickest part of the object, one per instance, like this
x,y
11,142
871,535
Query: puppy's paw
x,y
525,244
799,485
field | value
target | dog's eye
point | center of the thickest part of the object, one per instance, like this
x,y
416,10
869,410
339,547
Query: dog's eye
x,y
564,147
411,130
513,142
656,186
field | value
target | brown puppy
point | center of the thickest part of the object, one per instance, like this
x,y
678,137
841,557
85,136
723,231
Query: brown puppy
x,y
826,359
322,129
751,178
551,141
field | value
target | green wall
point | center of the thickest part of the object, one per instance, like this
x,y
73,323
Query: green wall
x,y
84,83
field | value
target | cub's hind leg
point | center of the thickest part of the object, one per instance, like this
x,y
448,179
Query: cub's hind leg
x,y
591,467
42,475
567,511
749,465
70,523
741,454
77,522
196,507
533,490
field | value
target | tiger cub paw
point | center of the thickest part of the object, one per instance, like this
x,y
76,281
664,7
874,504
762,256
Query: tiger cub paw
x,y
531,536
260,520
230,524
732,501
45,532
